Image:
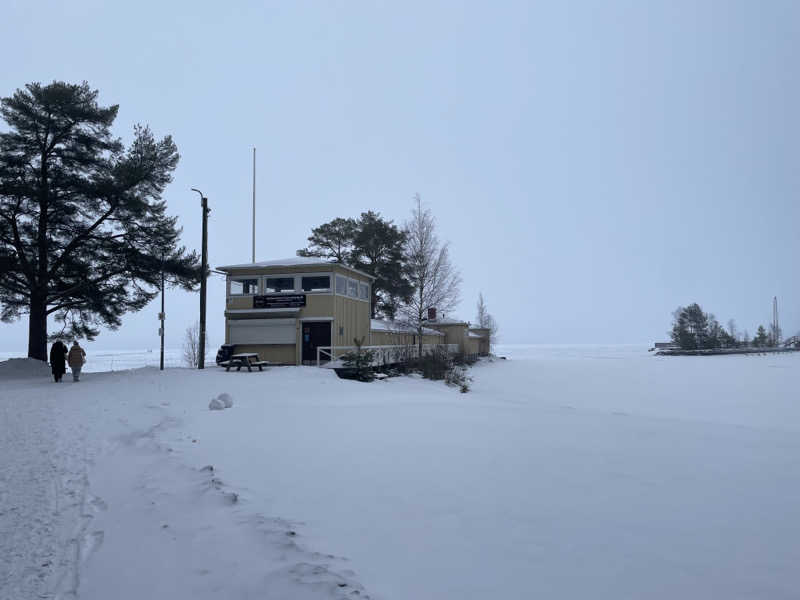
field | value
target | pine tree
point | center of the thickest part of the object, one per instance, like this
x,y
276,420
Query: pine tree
x,y
693,329
370,244
761,339
332,241
82,224
378,251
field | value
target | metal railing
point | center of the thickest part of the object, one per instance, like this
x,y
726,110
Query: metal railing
x,y
384,355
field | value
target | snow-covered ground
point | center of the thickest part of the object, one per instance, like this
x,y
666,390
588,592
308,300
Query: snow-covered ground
x,y
567,472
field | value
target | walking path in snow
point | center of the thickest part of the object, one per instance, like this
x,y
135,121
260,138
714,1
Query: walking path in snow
x,y
43,492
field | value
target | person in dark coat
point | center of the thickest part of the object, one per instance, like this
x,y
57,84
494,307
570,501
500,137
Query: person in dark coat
x,y
58,359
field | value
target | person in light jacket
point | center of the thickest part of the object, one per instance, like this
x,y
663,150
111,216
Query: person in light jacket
x,y
58,357
76,358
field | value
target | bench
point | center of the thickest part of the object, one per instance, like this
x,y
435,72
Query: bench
x,y
249,360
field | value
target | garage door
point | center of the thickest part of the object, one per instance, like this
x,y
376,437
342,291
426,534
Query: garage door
x,y
263,331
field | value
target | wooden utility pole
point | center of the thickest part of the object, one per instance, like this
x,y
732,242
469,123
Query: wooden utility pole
x,y
201,359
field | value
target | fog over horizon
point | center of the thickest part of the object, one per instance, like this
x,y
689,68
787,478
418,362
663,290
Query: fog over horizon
x,y
593,167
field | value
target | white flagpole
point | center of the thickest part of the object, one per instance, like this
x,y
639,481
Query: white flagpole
x,y
254,204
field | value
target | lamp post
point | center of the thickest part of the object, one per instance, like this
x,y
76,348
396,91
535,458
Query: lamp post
x,y
201,359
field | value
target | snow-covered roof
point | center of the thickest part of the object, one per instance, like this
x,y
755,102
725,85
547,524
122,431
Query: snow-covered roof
x,y
472,334
394,326
294,261
446,321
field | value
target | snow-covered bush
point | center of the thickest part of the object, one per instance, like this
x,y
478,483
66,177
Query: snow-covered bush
x,y
435,364
460,358
361,361
457,376
439,365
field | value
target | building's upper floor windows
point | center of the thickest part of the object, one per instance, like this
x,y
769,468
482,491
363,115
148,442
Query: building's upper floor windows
x,y
276,285
244,287
352,288
341,285
316,283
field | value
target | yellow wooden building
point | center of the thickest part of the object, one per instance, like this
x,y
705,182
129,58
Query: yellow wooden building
x,y
303,310
285,309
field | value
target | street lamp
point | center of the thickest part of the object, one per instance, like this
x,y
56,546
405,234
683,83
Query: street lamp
x,y
201,359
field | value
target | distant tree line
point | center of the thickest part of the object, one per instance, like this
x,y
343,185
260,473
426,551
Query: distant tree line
x,y
693,329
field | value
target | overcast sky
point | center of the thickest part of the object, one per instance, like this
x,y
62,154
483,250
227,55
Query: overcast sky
x,y
593,165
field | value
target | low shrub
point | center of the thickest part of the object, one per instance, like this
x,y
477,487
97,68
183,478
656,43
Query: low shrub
x,y
462,359
435,364
361,361
457,376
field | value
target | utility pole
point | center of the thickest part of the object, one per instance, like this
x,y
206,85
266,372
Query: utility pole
x,y
201,359
776,330
161,315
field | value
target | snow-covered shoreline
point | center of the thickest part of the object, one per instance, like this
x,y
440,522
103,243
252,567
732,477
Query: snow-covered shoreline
x,y
567,472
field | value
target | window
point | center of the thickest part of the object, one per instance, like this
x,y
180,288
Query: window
x,y
317,283
244,287
352,288
277,285
341,285
363,291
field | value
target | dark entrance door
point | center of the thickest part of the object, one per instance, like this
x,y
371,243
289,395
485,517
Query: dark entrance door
x,y
315,334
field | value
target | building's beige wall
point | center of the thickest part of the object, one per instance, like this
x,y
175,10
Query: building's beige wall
x,y
471,346
317,305
392,338
454,333
483,342
389,338
239,302
353,317
283,354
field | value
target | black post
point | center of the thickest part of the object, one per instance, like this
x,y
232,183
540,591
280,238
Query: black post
x,y
201,359
161,316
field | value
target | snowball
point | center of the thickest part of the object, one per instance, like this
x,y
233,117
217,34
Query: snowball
x,y
226,399
216,404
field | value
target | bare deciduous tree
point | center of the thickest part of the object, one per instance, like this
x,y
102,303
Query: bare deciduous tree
x,y
435,280
734,333
191,345
486,321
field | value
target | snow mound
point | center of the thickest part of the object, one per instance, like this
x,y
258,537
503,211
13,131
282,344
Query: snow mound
x,y
14,368
221,402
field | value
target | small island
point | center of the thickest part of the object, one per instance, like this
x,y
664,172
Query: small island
x,y
696,333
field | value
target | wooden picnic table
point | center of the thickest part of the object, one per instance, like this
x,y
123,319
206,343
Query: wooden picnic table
x,y
245,359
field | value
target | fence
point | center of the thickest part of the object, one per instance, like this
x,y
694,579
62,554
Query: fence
x,y
384,355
